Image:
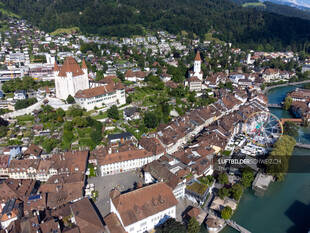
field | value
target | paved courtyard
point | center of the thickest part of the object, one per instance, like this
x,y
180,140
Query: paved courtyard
x,y
104,184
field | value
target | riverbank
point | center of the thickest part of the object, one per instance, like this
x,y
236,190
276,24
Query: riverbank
x,y
285,207
266,90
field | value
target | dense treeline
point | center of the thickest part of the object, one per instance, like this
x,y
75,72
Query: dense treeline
x,y
280,155
242,26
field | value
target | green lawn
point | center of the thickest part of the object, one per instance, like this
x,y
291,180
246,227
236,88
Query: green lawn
x,y
209,37
65,31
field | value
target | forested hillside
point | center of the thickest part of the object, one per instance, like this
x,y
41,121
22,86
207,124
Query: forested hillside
x,y
248,28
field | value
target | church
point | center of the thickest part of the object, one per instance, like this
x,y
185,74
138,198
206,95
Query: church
x,y
197,72
195,79
70,78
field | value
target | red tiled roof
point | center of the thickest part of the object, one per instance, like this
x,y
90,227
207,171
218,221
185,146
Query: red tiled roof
x,y
84,66
113,223
124,156
101,90
56,67
144,202
70,65
198,58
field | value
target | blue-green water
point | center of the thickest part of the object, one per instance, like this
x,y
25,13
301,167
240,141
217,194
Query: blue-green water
x,y
285,207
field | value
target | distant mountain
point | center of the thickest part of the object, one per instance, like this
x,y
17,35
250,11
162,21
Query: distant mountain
x,y
287,10
228,21
276,8
301,4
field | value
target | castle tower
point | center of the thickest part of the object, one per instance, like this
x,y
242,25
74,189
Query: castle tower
x,y
84,67
56,69
70,78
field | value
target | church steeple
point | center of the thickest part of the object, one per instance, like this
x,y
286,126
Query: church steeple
x,y
197,65
198,58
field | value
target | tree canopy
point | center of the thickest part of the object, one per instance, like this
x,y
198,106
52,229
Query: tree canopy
x,y
226,213
249,28
113,113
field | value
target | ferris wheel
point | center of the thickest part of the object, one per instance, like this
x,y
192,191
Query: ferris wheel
x,y
263,128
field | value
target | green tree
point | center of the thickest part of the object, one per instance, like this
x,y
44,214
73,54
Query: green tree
x,y
128,99
3,131
223,192
282,151
113,113
49,144
171,226
237,191
20,104
75,111
68,126
151,120
60,112
79,122
120,75
287,103
290,128
192,97
247,178
226,213
193,226
223,178
70,99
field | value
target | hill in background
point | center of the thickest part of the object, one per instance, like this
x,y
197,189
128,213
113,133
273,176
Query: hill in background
x,y
230,22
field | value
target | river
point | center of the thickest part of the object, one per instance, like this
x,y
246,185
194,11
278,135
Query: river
x,y
285,207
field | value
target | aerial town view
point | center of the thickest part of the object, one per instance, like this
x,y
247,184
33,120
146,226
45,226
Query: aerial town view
x,y
135,116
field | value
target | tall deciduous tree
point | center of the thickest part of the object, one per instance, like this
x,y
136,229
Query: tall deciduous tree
x,y
113,113
193,226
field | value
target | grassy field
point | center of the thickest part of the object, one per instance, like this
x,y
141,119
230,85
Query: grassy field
x,y
209,37
60,31
254,4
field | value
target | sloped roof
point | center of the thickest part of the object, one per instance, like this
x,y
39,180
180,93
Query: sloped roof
x,y
144,202
114,224
101,90
198,58
86,217
70,65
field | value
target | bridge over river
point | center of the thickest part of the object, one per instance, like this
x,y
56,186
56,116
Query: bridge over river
x,y
236,226
301,145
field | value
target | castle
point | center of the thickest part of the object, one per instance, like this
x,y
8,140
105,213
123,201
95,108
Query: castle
x,y
70,78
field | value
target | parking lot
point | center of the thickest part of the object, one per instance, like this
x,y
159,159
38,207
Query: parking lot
x,y
104,184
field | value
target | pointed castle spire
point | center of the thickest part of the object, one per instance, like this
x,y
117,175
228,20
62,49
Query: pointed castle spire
x,y
56,67
84,66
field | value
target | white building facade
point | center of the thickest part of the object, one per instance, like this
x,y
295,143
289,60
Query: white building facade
x,y
105,95
125,161
157,197
70,78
